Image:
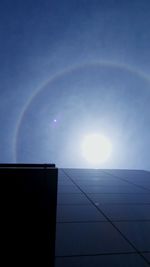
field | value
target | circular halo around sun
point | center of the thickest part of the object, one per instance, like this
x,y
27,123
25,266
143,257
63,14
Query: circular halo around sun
x,y
96,148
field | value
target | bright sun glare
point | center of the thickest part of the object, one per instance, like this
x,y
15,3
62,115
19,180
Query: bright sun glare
x,y
96,148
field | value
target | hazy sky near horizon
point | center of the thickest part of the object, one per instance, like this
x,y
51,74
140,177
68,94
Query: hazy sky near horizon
x,y
73,67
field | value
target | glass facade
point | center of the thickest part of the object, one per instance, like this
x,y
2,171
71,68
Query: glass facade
x,y
103,218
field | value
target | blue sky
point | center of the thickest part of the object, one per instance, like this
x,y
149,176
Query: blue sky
x,y
85,63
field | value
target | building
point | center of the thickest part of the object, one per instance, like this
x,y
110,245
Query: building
x,y
103,218
28,214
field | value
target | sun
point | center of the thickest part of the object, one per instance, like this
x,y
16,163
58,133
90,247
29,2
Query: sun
x,y
96,148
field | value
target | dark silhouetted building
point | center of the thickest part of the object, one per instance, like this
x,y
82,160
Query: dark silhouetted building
x,y
28,214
